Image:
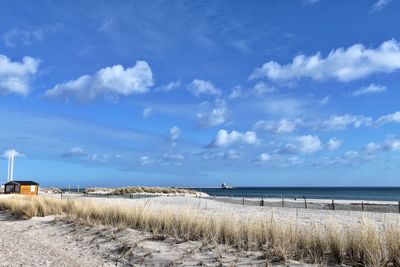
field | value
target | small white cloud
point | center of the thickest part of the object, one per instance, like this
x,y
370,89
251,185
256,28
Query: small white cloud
x,y
283,126
174,133
172,157
74,152
224,138
334,144
369,90
372,147
262,88
325,100
264,157
344,121
200,87
393,117
212,115
310,2
379,5
16,77
308,144
147,112
236,92
392,145
115,80
169,87
13,151
145,160
14,36
342,64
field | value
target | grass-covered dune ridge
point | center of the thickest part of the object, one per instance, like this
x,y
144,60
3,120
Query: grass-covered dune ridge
x,y
362,244
140,190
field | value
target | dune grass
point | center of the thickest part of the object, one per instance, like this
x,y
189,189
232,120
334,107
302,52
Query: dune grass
x,y
141,190
361,245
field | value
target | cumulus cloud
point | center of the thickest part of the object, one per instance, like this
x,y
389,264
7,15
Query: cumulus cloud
x,y
344,121
342,64
115,80
306,144
16,77
334,144
212,115
379,5
369,90
224,138
393,117
262,88
145,160
283,126
174,133
200,87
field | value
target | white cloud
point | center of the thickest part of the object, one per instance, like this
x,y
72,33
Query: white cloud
x,y
393,117
262,88
379,5
14,36
264,157
209,116
370,89
145,160
372,147
174,133
342,64
16,77
115,80
201,87
325,100
170,86
344,121
236,92
16,153
74,152
334,144
306,144
224,138
282,126
392,145
147,112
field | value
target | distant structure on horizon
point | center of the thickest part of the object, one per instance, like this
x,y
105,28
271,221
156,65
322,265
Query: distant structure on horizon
x,y
225,186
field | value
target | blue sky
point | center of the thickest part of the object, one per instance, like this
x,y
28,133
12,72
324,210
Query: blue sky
x,y
196,93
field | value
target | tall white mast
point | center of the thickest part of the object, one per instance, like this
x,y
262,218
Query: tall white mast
x,y
9,166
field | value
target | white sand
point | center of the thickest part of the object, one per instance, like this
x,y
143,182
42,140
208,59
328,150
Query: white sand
x,y
50,242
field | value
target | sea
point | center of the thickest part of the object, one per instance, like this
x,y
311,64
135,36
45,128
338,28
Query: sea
x,y
353,193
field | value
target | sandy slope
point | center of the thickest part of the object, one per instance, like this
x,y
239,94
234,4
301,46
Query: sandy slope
x,y
54,242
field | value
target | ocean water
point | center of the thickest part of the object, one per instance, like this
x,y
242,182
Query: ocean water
x,y
355,193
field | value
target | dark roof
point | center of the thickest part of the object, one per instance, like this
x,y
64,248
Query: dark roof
x,y
23,182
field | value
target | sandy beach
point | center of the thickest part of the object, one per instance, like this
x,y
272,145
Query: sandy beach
x,y
53,241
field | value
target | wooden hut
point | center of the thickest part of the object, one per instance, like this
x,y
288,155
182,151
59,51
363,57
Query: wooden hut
x,y
21,187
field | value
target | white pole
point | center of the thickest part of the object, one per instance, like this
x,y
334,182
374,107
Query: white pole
x,y
9,162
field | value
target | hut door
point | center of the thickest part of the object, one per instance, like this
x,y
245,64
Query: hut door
x,y
33,188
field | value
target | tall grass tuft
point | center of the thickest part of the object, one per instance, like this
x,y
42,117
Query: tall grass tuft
x,y
363,244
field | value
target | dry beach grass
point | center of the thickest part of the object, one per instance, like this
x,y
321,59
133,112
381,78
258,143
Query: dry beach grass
x,y
362,244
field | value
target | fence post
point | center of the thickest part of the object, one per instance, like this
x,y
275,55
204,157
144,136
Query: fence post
x,y
262,201
243,201
362,205
399,206
305,202
61,194
333,204
283,201
226,200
